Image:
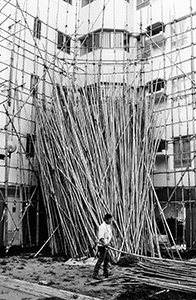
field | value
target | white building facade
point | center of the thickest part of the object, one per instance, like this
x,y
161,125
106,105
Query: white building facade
x,y
146,43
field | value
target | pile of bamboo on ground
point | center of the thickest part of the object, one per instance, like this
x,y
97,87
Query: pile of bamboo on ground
x,y
169,274
96,150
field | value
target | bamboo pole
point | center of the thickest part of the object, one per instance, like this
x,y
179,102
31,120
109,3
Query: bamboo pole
x,y
86,174
37,253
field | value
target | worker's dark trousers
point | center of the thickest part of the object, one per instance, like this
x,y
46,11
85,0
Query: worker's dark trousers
x,y
104,257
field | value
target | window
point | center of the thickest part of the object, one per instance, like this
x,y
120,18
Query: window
x,y
69,1
37,28
86,2
122,40
156,85
155,29
95,41
162,145
156,34
34,84
182,154
179,33
87,44
156,90
126,44
180,88
105,40
142,3
64,42
143,48
30,150
118,43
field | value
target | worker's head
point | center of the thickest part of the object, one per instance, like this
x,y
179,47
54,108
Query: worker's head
x,y
108,218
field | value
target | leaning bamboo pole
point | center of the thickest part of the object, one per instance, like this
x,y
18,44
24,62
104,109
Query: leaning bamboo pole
x,y
95,155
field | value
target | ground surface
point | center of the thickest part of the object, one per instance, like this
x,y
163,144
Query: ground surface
x,y
76,276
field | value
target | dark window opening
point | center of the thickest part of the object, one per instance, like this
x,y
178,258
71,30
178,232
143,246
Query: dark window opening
x,y
156,85
155,28
64,42
90,42
126,39
69,1
2,156
180,194
34,84
30,150
86,2
162,146
37,28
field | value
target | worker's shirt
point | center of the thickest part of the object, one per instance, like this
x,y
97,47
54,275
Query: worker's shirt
x,y
105,232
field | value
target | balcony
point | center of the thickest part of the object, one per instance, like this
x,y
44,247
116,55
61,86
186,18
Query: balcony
x,y
156,90
158,97
157,40
155,34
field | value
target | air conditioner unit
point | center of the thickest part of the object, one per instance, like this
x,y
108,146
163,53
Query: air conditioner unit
x,y
158,96
157,40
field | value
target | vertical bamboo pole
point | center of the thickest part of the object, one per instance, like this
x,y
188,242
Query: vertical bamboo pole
x,y
9,98
193,101
76,47
100,62
6,193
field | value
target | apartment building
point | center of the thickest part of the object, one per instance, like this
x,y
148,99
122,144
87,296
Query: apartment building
x,y
148,44
169,77
35,41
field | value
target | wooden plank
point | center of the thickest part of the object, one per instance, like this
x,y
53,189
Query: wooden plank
x,y
40,290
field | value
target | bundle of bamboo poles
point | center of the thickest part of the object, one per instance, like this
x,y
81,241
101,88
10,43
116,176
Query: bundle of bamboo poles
x,y
169,274
96,149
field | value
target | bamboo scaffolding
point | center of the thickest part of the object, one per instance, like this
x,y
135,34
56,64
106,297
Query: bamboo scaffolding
x,y
84,158
97,148
15,130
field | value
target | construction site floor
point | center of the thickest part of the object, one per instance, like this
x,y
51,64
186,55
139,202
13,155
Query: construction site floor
x,y
29,278
23,277
14,289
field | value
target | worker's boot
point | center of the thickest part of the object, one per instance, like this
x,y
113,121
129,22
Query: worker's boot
x,y
106,269
96,276
107,274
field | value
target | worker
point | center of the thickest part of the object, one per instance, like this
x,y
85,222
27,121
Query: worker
x,y
104,238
